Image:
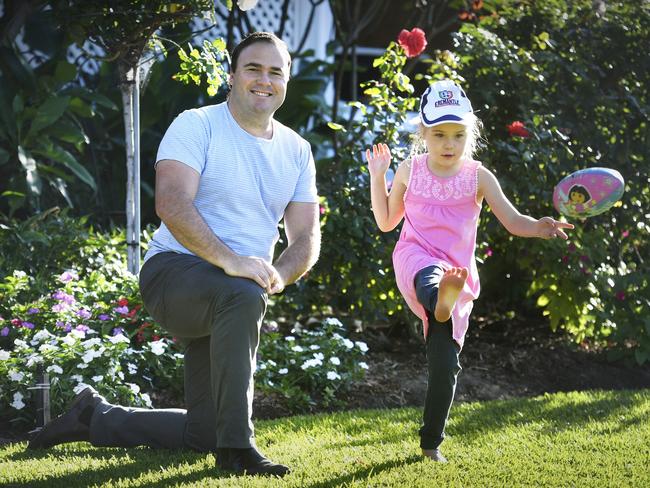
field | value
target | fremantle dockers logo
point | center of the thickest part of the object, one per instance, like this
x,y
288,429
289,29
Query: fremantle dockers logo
x,y
446,98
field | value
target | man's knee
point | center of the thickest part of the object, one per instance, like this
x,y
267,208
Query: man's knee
x,y
248,296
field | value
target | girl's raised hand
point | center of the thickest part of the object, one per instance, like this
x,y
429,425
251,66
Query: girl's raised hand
x,y
378,160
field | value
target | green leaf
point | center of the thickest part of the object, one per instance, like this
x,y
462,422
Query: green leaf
x,y
32,177
372,91
335,126
62,156
48,113
18,105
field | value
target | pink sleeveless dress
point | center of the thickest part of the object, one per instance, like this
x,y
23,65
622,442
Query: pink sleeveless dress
x,y
440,222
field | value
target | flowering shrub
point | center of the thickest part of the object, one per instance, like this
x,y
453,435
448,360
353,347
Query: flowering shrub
x,y
310,366
88,331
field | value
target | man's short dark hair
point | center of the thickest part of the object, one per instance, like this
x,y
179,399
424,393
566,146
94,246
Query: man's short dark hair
x,y
252,38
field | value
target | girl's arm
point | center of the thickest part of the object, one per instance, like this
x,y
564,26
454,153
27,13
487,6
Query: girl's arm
x,y
388,208
516,223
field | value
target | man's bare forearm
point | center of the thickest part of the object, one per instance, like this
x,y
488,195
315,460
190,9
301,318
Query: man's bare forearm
x,y
190,229
298,257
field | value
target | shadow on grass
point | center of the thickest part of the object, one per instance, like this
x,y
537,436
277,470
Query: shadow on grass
x,y
141,462
598,406
365,473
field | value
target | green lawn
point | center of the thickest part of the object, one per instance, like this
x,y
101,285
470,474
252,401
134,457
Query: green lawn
x,y
587,439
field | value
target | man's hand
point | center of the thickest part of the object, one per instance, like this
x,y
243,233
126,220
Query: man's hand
x,y
256,269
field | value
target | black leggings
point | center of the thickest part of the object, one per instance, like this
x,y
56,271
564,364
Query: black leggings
x,y
442,358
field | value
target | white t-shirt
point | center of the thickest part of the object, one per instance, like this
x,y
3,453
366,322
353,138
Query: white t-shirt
x,y
246,181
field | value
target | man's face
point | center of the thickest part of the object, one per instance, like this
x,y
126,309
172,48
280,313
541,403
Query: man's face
x,y
259,85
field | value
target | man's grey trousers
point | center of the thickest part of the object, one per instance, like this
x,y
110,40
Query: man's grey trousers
x,y
218,317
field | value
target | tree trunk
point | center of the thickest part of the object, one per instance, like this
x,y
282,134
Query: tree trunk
x,y
130,88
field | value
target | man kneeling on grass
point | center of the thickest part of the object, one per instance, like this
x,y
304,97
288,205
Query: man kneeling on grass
x,y
226,175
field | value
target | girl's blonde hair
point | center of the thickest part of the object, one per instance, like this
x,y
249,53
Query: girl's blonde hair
x,y
472,144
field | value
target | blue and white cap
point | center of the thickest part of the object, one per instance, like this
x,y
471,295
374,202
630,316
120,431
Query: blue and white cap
x,y
444,102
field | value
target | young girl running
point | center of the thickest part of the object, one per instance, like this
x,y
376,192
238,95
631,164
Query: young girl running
x,y
439,195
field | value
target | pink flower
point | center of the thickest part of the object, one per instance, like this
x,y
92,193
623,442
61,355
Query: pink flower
x,y
412,42
620,295
122,310
16,322
625,233
517,129
488,252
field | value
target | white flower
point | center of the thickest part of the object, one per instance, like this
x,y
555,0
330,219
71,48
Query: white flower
x,y
290,338
54,369
363,365
33,359
272,363
79,334
246,4
116,339
70,339
82,366
133,369
297,348
314,347
283,371
310,363
333,321
97,378
90,355
20,344
19,274
4,355
77,377
261,366
147,399
362,345
319,356
134,388
348,343
16,375
158,347
18,401
333,375
96,341
337,336
336,361
120,375
40,336
45,348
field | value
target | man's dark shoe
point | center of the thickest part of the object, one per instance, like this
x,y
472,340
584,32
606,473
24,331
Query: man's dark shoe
x,y
248,461
71,426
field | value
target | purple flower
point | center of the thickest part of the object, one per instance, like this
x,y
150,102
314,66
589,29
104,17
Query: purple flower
x,y
82,328
103,317
67,327
33,310
68,276
60,307
122,310
83,313
28,325
64,297
4,332
118,331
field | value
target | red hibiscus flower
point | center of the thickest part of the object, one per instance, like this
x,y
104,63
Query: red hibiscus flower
x,y
122,302
517,129
412,42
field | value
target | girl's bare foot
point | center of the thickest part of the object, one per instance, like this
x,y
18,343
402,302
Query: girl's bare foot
x,y
450,285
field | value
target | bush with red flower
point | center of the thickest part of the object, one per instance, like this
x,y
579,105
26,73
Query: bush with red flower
x,y
518,129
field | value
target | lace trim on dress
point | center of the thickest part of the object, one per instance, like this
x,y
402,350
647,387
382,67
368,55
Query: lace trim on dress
x,y
424,184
